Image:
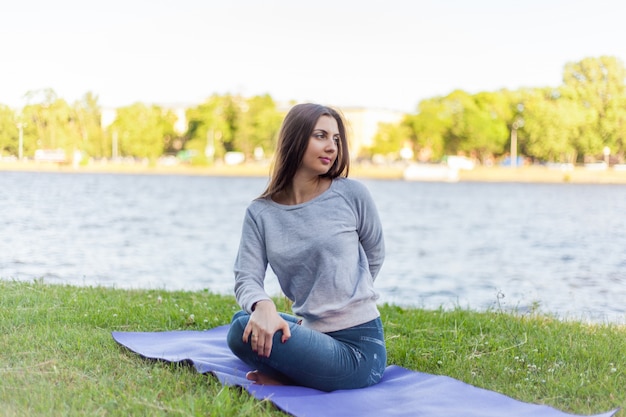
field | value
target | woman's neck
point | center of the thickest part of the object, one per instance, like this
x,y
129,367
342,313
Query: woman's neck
x,y
303,190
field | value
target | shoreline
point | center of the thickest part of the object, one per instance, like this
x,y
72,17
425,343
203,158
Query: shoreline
x,y
528,174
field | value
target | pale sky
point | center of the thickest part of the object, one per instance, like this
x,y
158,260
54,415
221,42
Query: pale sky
x,y
387,54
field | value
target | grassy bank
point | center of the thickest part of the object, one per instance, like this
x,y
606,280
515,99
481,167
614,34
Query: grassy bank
x,y
484,174
58,357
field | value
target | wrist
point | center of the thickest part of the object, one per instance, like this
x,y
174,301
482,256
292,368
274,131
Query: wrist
x,y
260,303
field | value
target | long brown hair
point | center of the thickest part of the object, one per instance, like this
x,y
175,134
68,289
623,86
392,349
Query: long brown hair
x,y
293,140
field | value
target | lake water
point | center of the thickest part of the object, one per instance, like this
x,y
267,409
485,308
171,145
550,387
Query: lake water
x,y
561,247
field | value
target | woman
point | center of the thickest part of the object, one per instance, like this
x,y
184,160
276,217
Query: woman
x,y
321,235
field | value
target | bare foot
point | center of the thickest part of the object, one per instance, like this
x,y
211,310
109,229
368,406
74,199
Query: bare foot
x,y
262,379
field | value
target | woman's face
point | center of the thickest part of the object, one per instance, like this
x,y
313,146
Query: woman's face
x,y
321,151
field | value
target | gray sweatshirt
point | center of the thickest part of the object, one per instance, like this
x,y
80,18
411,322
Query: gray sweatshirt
x,y
326,254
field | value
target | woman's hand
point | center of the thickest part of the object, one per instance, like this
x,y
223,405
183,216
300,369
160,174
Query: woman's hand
x,y
264,322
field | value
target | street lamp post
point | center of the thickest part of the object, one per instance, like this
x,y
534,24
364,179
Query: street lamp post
x,y
20,143
514,128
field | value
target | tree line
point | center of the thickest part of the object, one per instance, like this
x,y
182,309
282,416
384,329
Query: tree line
x,y
227,123
578,121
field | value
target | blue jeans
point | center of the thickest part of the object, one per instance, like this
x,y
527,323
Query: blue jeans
x,y
346,359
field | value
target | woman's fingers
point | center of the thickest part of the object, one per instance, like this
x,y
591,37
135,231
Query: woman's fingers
x,y
286,331
264,345
247,334
261,339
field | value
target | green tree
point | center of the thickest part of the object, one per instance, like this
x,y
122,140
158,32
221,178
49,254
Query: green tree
x,y
550,124
88,117
8,131
232,123
143,131
429,128
617,112
597,85
230,114
50,123
208,126
390,139
257,125
479,126
461,123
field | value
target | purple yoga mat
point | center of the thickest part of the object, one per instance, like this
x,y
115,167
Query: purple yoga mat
x,y
401,392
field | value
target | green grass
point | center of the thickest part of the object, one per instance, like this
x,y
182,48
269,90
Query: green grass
x,y
57,356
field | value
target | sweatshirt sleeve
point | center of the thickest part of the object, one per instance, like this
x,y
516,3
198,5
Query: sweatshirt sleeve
x,y
370,230
250,265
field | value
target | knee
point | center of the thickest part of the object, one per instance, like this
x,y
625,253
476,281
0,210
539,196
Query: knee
x,y
234,338
238,315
